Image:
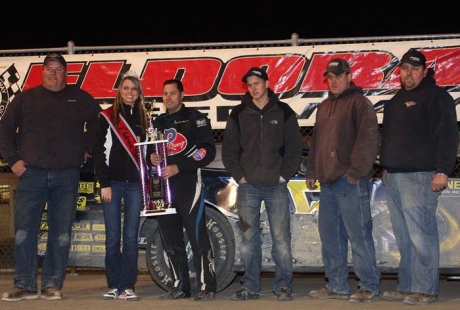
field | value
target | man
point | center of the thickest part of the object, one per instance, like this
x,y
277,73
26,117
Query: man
x,y
190,148
46,133
343,149
419,148
262,150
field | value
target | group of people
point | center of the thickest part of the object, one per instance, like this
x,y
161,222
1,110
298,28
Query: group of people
x,y
417,153
261,150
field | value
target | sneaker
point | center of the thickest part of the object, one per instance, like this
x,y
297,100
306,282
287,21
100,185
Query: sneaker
x,y
244,294
283,294
364,296
175,294
19,293
205,295
128,295
395,295
51,293
111,294
325,293
421,299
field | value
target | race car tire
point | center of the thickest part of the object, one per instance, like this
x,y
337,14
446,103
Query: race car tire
x,y
222,239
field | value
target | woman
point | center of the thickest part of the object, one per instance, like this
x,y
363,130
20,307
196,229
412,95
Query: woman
x,y
117,168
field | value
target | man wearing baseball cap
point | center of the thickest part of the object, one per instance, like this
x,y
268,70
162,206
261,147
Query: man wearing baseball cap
x,y
56,123
342,153
418,152
262,150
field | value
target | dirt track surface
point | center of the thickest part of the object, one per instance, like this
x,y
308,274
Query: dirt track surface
x,y
85,292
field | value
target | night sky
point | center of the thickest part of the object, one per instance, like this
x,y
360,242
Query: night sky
x,y
171,22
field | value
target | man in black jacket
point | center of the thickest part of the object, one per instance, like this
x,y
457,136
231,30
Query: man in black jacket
x,y
262,149
46,133
419,148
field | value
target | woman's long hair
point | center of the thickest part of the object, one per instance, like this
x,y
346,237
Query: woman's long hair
x,y
118,103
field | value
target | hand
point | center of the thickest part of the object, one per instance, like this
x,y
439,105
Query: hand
x,y
169,171
106,194
439,182
311,184
155,159
19,167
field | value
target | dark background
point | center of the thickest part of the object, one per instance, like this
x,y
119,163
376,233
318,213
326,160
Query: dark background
x,y
133,22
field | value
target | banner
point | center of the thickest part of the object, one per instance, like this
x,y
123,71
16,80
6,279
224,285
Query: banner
x,y
212,77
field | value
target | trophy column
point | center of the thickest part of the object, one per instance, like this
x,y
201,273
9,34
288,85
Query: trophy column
x,y
156,194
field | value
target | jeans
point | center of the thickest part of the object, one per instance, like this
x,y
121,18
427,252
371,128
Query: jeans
x,y
345,215
121,262
277,206
37,188
412,205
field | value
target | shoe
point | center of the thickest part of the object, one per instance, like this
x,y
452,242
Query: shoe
x,y
244,294
51,293
283,294
111,294
363,296
175,294
128,295
395,295
325,293
205,295
421,299
19,293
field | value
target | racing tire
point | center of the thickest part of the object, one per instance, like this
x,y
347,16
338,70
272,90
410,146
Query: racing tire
x,y
222,239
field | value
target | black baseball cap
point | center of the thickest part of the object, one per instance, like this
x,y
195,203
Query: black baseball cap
x,y
256,71
337,66
56,57
414,57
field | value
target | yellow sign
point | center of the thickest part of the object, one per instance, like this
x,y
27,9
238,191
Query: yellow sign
x,y
80,248
99,238
98,248
100,227
83,237
86,187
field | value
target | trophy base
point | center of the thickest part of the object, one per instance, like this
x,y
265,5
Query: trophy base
x,y
158,212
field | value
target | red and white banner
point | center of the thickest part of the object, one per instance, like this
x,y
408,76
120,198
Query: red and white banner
x,y
212,77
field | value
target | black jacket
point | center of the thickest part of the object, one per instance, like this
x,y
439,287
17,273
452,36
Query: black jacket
x,y
54,129
111,159
262,145
420,130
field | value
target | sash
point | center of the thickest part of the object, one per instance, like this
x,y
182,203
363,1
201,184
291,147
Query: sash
x,y
126,136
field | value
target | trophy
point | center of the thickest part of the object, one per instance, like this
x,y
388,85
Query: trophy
x,y
156,194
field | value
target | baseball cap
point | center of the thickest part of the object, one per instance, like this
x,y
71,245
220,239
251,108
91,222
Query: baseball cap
x,y
56,57
337,66
413,57
256,71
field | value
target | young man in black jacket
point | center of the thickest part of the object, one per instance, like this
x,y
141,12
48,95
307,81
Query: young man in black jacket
x,y
262,149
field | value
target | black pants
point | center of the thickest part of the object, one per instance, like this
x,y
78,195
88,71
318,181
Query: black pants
x,y
187,198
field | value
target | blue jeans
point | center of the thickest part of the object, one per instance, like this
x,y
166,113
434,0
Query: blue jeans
x,y
36,188
277,206
121,262
412,205
345,215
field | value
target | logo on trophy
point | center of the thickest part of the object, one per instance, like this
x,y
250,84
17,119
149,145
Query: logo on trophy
x,y
156,194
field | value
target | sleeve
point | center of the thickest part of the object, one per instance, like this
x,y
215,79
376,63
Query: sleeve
x,y
205,150
231,148
93,110
365,149
292,146
9,124
100,153
446,132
